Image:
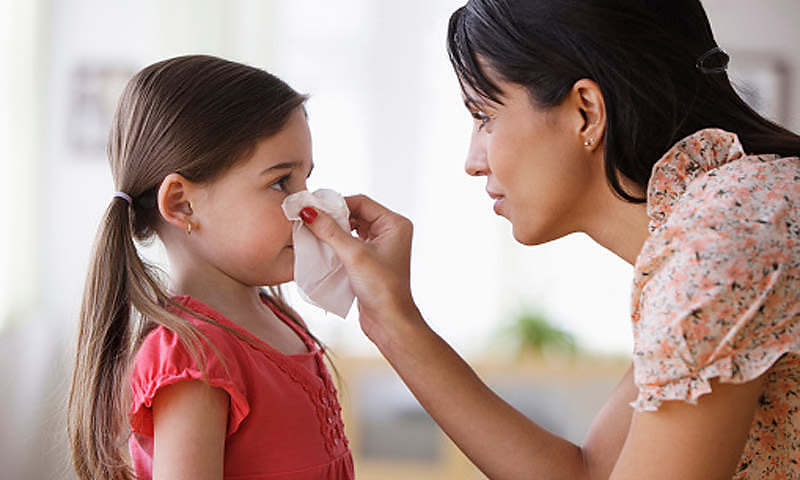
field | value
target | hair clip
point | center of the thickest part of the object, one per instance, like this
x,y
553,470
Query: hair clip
x,y
721,68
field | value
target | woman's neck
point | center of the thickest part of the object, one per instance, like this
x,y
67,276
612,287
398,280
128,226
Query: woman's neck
x,y
618,225
623,231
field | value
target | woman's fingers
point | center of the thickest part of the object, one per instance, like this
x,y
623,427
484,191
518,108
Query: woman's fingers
x,y
374,222
378,262
326,229
366,210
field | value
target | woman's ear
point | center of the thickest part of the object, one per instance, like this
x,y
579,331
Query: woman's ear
x,y
174,201
588,98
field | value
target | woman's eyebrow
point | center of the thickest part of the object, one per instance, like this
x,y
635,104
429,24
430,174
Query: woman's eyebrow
x,y
473,104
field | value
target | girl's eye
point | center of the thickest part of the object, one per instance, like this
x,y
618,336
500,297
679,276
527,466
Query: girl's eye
x,y
482,118
281,184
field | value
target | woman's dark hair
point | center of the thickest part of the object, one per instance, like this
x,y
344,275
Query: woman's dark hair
x,y
195,115
643,54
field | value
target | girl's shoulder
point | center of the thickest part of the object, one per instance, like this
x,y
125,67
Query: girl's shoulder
x,y
220,344
214,336
164,358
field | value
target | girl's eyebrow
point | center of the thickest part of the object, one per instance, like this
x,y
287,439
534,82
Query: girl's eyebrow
x,y
284,166
281,166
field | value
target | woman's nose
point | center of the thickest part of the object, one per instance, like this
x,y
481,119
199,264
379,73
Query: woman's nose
x,y
476,164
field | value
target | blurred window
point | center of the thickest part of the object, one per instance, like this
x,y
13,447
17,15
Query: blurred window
x,y
21,103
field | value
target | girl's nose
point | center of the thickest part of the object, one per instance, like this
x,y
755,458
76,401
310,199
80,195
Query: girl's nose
x,y
476,164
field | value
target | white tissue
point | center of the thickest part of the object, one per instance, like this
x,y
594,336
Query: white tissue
x,y
317,271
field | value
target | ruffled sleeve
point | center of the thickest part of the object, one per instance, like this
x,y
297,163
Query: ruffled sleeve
x,y
716,285
163,360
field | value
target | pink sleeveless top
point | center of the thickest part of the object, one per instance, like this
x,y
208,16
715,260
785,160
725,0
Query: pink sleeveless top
x,y
284,421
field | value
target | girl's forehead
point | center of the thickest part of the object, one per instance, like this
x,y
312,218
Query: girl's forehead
x,y
291,145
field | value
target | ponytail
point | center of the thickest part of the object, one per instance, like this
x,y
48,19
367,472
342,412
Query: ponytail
x,y
103,351
122,301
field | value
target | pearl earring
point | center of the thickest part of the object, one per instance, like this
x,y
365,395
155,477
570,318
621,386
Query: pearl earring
x,y
188,229
588,143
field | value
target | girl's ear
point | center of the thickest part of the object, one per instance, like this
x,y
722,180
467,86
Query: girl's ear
x,y
174,201
588,98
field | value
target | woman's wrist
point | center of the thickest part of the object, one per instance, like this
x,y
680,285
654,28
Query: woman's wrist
x,y
395,326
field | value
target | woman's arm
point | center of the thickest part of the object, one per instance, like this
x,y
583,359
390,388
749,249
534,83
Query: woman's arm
x,y
691,442
189,427
679,441
503,443
499,440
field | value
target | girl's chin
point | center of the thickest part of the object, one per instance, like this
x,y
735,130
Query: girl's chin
x,y
276,282
278,277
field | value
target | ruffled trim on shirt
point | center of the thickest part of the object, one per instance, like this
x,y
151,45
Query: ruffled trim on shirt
x,y
141,415
693,156
736,368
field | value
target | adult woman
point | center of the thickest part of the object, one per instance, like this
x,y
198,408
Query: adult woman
x,y
616,118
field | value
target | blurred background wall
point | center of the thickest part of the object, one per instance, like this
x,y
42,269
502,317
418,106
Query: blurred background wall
x,y
387,120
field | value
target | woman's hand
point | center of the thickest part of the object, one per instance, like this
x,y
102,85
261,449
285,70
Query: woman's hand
x,y
378,263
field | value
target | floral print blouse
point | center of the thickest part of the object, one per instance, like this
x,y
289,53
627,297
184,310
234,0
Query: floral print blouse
x,y
716,289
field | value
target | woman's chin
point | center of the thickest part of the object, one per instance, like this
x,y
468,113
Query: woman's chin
x,y
530,235
526,240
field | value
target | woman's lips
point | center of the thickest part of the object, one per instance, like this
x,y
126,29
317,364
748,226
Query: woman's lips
x,y
498,203
498,200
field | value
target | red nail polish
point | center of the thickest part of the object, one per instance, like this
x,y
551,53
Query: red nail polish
x,y
308,215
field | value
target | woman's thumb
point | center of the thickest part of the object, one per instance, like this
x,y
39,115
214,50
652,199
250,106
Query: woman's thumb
x,y
326,229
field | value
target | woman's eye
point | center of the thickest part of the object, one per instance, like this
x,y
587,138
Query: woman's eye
x,y
482,118
281,184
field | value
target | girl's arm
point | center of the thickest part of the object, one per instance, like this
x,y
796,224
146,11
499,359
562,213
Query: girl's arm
x,y
679,441
189,428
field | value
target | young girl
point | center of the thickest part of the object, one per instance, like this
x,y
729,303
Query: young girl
x,y
214,377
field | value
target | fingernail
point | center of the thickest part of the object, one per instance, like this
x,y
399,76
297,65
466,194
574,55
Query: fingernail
x,y
308,215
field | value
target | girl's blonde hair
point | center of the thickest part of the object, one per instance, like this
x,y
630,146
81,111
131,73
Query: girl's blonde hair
x,y
194,115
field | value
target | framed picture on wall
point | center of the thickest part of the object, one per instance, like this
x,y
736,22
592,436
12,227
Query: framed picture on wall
x,y
94,91
763,80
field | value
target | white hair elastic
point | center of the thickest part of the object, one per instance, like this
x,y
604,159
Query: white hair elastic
x,y
125,197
